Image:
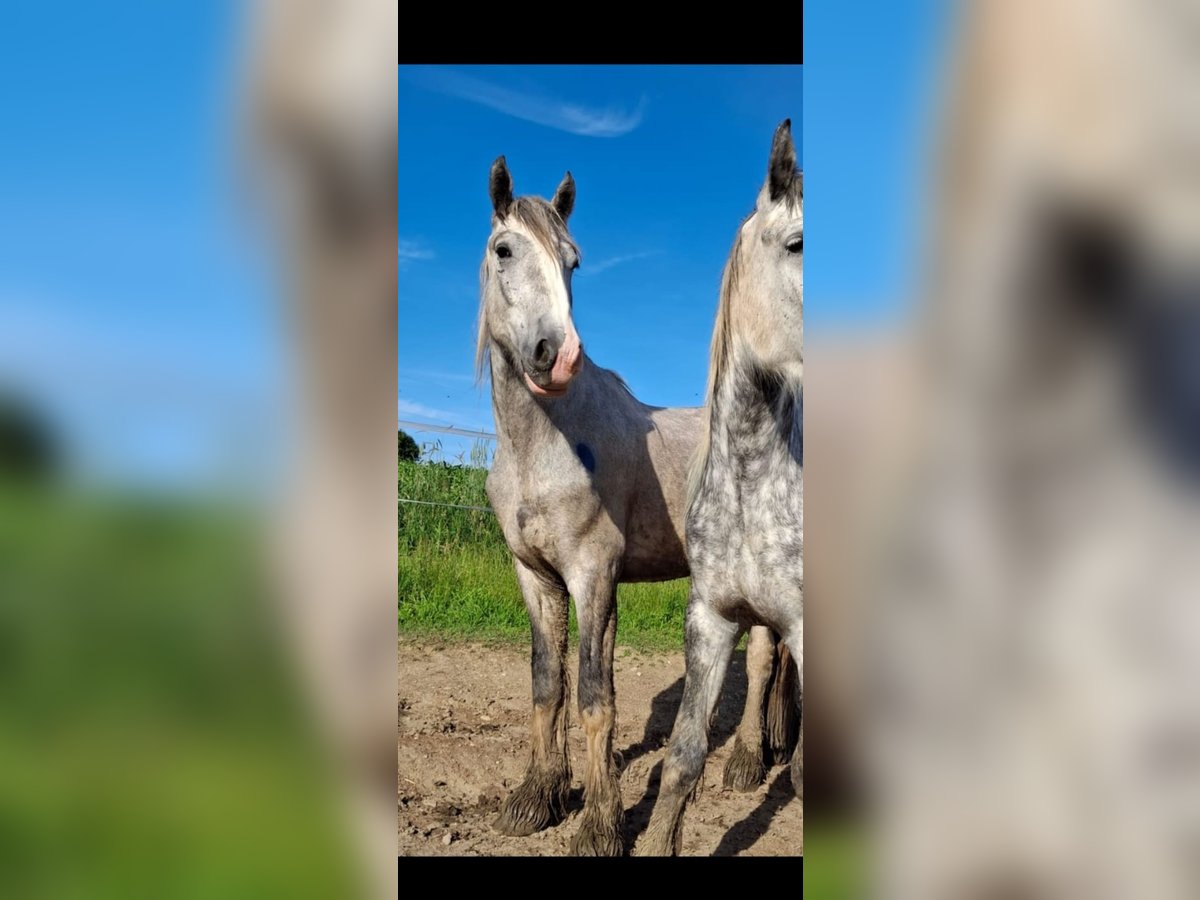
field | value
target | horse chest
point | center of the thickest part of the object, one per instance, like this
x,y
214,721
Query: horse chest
x,y
748,543
543,512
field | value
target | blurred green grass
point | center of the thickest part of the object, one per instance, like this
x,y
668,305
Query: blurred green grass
x,y
152,743
456,578
835,858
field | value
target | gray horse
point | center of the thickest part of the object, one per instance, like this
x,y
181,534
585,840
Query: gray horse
x,y
589,487
745,519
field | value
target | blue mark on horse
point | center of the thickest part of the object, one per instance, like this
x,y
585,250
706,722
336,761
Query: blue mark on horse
x,y
584,452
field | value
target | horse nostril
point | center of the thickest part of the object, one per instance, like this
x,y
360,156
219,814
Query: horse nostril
x,y
544,353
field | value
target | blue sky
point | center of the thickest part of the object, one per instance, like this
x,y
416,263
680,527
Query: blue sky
x,y
137,307
667,161
870,78
133,308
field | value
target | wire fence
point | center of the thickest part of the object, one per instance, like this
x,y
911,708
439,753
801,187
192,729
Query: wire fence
x,y
445,479
446,505
456,451
445,429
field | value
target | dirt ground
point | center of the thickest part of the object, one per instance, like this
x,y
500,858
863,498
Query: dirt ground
x,y
463,746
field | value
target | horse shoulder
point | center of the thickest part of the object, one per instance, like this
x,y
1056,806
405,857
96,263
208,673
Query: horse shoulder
x,y
496,485
503,492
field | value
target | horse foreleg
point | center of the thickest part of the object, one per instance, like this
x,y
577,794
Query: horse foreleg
x,y
744,771
603,813
541,798
709,644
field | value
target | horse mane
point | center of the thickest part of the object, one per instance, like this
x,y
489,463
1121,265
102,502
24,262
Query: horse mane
x,y
718,356
614,377
547,227
722,339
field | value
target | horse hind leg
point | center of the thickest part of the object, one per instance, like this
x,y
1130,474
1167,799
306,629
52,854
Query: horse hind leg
x,y
710,641
798,766
541,798
783,709
744,770
795,645
600,831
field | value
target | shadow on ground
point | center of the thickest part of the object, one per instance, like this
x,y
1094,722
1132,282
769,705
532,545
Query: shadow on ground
x,y
657,732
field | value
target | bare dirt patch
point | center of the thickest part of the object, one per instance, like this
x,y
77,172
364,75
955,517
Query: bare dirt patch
x,y
463,746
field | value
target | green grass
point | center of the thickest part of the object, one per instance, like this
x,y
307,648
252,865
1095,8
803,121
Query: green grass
x,y
456,577
152,739
836,856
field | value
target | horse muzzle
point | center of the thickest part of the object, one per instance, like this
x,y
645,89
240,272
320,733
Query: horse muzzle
x,y
552,368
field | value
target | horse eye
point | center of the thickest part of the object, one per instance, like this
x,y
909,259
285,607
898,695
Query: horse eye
x,y
503,251
796,245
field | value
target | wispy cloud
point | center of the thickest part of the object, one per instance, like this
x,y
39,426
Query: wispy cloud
x,y
538,108
409,408
435,375
595,268
408,251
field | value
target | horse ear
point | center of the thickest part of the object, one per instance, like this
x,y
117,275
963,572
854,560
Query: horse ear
x,y
564,197
781,171
500,187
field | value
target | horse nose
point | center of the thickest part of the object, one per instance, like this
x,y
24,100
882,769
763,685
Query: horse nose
x,y
544,355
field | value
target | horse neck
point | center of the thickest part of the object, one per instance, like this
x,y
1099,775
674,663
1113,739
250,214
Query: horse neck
x,y
756,419
521,420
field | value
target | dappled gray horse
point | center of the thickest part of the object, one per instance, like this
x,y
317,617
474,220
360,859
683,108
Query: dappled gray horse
x,y
745,518
588,485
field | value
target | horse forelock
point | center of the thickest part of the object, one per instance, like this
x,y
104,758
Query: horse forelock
x,y
543,222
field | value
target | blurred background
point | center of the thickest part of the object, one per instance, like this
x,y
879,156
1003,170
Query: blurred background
x,y
1002,416
198,672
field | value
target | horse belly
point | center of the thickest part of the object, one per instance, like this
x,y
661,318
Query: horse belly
x,y
653,553
652,568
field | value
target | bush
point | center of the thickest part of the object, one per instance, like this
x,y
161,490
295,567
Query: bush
x,y
406,448
27,448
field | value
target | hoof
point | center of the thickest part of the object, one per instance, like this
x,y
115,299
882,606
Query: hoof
x,y
744,771
538,802
596,841
798,774
599,832
780,756
657,841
